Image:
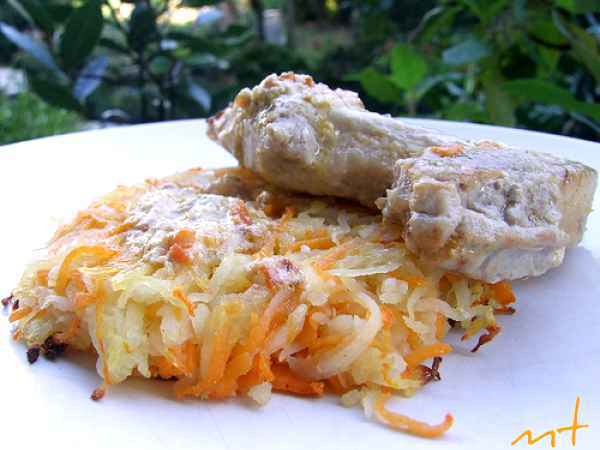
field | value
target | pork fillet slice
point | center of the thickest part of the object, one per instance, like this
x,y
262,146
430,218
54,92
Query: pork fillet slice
x,y
305,137
477,207
495,213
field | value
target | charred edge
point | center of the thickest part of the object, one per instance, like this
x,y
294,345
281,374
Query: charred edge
x,y
33,354
7,300
451,322
52,349
98,393
432,373
508,310
172,378
492,332
15,304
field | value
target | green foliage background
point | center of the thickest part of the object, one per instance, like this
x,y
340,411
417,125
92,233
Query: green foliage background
x,y
527,63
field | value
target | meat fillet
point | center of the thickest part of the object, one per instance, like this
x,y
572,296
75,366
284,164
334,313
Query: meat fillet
x,y
304,136
481,208
493,213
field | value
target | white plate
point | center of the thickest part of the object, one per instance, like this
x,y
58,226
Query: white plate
x,y
529,377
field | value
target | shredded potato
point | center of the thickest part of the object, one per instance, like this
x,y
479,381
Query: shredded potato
x,y
199,279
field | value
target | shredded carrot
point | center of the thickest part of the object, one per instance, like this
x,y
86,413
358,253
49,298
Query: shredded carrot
x,y
100,254
412,280
42,277
286,381
240,214
450,151
414,341
309,334
19,313
126,226
387,314
404,423
331,257
180,295
260,372
179,255
336,385
185,238
420,354
503,293
441,325
82,300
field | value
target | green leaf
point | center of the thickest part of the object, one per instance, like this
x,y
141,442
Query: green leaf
x,y
486,10
35,48
142,26
545,30
377,85
54,93
90,77
197,43
584,47
408,67
196,3
81,34
579,6
498,103
113,45
437,21
465,111
35,13
547,93
59,12
466,52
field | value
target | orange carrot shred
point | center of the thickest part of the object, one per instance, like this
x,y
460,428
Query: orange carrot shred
x,y
503,293
286,381
19,313
404,423
420,354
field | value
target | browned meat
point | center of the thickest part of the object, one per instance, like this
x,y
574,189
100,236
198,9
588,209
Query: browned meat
x,y
477,207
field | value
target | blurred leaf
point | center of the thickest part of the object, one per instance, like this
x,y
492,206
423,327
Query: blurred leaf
x,y
544,92
465,111
579,6
548,58
441,20
197,43
199,94
498,103
160,65
33,47
545,30
408,67
59,12
54,93
431,81
584,46
377,85
142,26
81,34
35,13
113,45
466,52
486,10
90,77
196,3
